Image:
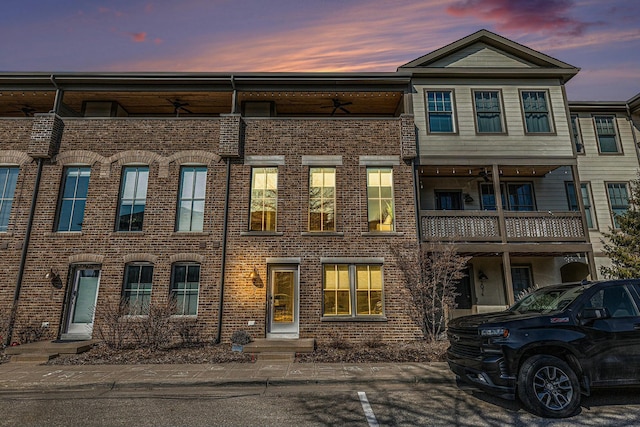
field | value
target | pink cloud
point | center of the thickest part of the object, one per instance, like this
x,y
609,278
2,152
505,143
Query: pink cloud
x,y
138,37
538,16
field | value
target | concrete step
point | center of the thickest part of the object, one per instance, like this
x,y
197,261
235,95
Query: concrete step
x,y
277,356
33,357
262,345
53,347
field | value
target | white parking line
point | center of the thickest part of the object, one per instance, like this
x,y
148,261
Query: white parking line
x,y
368,412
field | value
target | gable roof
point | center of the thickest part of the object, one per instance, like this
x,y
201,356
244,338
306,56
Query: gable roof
x,y
484,52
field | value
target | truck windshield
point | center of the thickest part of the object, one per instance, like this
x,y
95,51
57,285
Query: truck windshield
x,y
547,300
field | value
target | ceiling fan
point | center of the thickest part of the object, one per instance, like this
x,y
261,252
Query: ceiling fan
x,y
178,106
26,110
338,105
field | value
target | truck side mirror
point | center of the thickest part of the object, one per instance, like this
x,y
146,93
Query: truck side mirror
x,y
589,314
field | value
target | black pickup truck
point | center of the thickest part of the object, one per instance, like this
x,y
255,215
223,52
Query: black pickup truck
x,y
553,346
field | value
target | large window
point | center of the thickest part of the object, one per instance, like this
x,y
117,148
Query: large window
x,y
322,199
606,131
380,199
136,293
8,180
586,200
440,115
537,117
133,198
193,184
618,200
522,280
516,196
264,199
352,290
488,111
575,134
185,282
73,199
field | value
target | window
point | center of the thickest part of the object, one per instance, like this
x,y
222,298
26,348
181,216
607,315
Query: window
x,y
193,184
380,199
449,200
185,282
618,199
521,279
586,201
575,134
488,112
516,196
8,180
264,199
440,112
136,293
606,131
616,300
536,112
133,196
352,290
322,199
74,198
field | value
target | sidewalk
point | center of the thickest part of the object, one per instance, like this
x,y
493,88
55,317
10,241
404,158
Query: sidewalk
x,y
30,377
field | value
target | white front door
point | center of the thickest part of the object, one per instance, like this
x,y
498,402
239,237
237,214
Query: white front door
x,y
283,302
82,305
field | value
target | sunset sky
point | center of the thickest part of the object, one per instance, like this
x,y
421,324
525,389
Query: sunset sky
x,y
602,37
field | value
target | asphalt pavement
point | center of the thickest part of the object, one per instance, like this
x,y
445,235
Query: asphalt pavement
x,y
16,376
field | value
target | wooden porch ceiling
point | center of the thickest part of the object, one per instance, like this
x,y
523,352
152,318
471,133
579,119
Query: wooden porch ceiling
x,y
485,172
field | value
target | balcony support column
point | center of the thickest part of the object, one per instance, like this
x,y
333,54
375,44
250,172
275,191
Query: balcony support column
x,y
498,196
508,283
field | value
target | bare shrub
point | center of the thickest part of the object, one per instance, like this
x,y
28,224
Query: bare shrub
x,y
374,342
338,342
431,274
189,332
4,327
33,333
241,337
113,330
155,330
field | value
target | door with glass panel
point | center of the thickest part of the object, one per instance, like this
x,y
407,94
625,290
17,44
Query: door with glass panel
x,y
283,302
82,303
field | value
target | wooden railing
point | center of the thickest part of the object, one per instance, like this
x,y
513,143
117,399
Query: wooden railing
x,y
485,226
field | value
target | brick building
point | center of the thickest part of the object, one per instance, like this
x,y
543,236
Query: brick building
x,y
271,202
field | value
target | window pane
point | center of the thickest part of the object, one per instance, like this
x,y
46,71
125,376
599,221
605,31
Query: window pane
x,y
520,197
536,112
133,198
74,196
321,199
263,207
380,199
488,112
8,180
440,111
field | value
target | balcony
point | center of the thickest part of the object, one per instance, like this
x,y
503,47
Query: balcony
x,y
484,226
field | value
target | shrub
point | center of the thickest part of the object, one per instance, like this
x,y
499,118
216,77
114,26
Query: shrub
x,y
33,333
112,328
241,337
338,342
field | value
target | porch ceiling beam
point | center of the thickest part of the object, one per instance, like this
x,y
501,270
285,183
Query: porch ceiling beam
x,y
520,248
469,160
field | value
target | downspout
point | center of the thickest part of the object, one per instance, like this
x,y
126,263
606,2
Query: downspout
x,y
23,256
225,220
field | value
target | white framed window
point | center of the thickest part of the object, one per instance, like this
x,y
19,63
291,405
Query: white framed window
x,y
73,198
537,111
136,291
606,134
440,111
576,137
185,285
488,108
191,197
618,200
8,181
322,199
352,290
133,198
586,201
380,206
264,199
516,196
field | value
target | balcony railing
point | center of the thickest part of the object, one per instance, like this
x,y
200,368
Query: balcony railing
x,y
484,226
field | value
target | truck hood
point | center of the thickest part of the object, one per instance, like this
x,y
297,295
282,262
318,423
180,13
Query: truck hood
x,y
476,320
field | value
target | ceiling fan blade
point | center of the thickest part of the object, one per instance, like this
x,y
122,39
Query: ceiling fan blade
x,y
334,111
346,103
345,110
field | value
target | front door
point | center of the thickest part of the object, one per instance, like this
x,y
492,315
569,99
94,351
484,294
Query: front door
x,y
82,304
283,302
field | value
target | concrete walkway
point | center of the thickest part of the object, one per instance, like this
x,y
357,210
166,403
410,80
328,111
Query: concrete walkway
x,y
29,377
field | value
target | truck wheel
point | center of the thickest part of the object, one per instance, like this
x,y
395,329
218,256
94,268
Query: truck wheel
x,y
548,387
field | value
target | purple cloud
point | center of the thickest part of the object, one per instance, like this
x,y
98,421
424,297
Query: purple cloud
x,y
537,16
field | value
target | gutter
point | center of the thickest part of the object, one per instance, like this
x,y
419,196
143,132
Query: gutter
x,y
23,256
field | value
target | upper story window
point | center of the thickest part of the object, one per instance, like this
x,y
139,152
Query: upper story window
x,y
264,199
352,290
575,134
322,199
136,292
440,114
618,200
185,282
380,199
516,196
193,184
133,198
606,133
8,180
537,114
488,111
73,198
586,200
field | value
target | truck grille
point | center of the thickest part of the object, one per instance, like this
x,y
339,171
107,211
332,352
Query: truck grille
x,y
465,342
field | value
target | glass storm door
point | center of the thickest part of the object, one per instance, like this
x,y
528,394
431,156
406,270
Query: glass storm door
x,y
283,302
83,304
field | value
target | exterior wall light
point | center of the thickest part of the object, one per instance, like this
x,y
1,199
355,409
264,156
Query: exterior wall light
x,y
54,278
254,277
482,278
